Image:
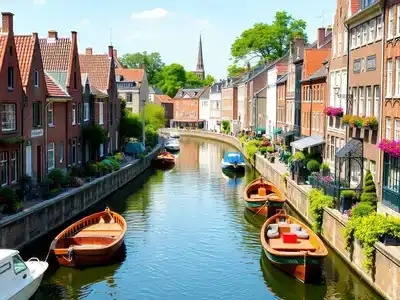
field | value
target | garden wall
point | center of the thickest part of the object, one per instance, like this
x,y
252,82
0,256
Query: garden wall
x,y
22,228
386,271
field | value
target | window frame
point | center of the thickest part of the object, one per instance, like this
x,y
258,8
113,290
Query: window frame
x,y
3,113
36,78
73,111
50,112
10,78
389,77
368,101
74,157
14,161
53,146
86,110
101,113
4,164
17,257
388,128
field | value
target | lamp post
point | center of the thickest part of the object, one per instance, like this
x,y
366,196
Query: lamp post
x,y
143,124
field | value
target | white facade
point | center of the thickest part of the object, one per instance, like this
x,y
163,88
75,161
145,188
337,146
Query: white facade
x,y
272,77
241,105
204,108
215,108
134,93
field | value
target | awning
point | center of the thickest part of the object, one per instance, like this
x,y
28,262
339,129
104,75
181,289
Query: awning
x,y
307,142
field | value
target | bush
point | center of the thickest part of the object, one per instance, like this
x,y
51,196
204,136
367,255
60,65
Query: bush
x,y
9,200
116,166
119,156
271,149
226,126
75,182
348,194
251,150
318,201
324,167
59,177
263,150
94,133
313,166
54,193
105,166
76,172
369,192
299,156
151,136
361,210
90,170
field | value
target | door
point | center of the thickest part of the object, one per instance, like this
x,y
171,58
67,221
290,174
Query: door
x,y
28,160
39,163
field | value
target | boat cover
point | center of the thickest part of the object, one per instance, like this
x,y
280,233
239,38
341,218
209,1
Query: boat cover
x,y
134,148
233,157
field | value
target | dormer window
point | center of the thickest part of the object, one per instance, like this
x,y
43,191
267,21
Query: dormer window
x,y
36,78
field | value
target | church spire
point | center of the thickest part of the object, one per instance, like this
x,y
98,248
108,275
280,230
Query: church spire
x,y
200,62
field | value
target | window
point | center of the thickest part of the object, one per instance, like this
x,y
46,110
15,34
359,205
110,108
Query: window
x,y
37,114
360,101
101,150
397,77
358,44
365,32
36,78
379,28
14,166
388,126
86,111
129,98
50,114
74,151
355,101
61,152
344,91
4,168
397,129
73,114
4,268
101,113
79,113
372,32
8,117
377,95
368,97
345,42
390,23
51,157
353,38
19,265
10,78
389,79
398,21
339,50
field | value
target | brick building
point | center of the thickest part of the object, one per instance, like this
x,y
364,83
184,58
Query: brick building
x,y
281,102
229,101
168,104
186,108
12,94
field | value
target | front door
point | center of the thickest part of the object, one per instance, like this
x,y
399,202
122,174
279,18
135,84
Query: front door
x,y
39,163
28,160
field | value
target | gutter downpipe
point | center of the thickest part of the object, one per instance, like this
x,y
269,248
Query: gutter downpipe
x,y
348,79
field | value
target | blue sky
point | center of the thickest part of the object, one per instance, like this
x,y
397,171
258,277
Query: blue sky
x,y
169,27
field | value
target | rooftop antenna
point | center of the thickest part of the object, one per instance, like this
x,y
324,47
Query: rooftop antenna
x,y
110,36
322,18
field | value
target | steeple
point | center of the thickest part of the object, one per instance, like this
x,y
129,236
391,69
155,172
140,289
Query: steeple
x,y
200,63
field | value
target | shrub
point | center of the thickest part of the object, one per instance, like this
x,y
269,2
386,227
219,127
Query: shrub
x,y
318,201
102,167
116,166
54,193
369,192
59,177
151,136
324,167
75,182
313,166
361,210
9,199
119,157
348,194
299,156
251,149
263,150
76,172
94,133
271,149
90,169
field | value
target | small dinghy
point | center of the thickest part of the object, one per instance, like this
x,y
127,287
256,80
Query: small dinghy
x,y
293,247
165,159
233,161
92,240
19,280
172,145
263,198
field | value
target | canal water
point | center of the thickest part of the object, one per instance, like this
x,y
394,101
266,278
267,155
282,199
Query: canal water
x,y
190,237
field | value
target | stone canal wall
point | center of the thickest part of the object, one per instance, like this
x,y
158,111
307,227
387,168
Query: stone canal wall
x,y
385,278
22,228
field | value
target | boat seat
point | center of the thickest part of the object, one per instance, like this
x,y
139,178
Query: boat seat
x,y
301,233
93,246
301,245
256,197
273,231
102,233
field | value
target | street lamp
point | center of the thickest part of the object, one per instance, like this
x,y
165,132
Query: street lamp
x,y
143,124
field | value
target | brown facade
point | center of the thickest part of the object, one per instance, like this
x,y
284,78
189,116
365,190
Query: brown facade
x,y
229,103
281,103
186,111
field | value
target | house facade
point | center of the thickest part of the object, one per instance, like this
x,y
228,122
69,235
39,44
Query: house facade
x,y
186,108
215,106
204,107
168,104
229,97
281,103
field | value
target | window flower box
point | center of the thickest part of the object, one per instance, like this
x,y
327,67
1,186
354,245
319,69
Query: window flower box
x,y
390,147
333,111
353,121
390,240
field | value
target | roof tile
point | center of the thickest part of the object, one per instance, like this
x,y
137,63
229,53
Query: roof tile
x,y
55,53
130,74
97,66
25,47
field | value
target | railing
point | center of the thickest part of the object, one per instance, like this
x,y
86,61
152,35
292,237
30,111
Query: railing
x,y
126,85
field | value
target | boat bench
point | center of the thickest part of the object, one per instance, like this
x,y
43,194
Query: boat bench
x,y
301,245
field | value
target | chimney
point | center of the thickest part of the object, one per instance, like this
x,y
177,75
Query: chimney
x,y
8,23
110,51
89,51
73,37
34,36
320,37
298,48
53,34
328,30
115,54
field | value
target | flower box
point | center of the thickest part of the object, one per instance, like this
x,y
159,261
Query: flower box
x,y
333,111
390,147
390,240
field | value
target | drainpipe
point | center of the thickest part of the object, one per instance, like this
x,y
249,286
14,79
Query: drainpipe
x,y
22,144
348,78
46,128
311,101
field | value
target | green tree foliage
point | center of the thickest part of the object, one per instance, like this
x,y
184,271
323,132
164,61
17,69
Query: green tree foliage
x,y
171,78
235,70
153,62
95,134
226,126
268,41
192,81
154,115
131,126
209,80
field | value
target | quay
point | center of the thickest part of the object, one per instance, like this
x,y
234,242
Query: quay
x,y
386,276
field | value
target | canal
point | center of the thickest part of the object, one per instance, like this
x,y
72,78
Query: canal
x,y
190,237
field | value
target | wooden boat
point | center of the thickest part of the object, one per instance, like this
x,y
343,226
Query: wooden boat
x,y
262,197
293,247
92,240
165,159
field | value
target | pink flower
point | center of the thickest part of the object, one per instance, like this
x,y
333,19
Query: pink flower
x,y
390,147
333,111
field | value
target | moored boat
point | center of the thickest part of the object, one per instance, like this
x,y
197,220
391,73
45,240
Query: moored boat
x,y
165,159
175,135
19,280
92,240
172,145
262,197
233,161
293,247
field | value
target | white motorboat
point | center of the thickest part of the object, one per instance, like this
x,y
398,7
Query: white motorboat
x,y
19,280
175,135
172,145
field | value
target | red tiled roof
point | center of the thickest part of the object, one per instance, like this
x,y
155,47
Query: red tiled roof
x,y
97,66
130,74
3,45
55,53
25,46
53,89
164,98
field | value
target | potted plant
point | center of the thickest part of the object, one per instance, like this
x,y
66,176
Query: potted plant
x,y
263,150
347,198
313,166
325,171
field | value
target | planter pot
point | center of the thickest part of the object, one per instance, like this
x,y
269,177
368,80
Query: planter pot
x,y
326,173
265,155
345,204
272,159
389,240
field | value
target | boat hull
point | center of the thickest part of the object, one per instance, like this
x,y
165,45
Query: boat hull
x,y
172,148
29,290
308,271
263,209
89,259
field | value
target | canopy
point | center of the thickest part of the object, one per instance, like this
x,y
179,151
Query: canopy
x,y
134,148
307,142
233,157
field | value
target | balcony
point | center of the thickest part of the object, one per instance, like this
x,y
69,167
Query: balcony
x,y
126,85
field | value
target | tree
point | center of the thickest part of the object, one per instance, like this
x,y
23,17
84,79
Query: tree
x,y
192,81
153,62
154,115
268,41
209,80
171,78
131,126
235,70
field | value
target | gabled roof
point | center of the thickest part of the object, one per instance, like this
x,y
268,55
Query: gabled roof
x,y
164,98
155,90
98,67
320,73
93,90
3,45
55,53
54,87
25,47
192,93
130,74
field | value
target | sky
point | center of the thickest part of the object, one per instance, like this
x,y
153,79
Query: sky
x,y
171,28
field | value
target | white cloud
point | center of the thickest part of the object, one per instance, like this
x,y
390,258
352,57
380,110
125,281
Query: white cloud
x,y
40,2
85,22
202,24
154,14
